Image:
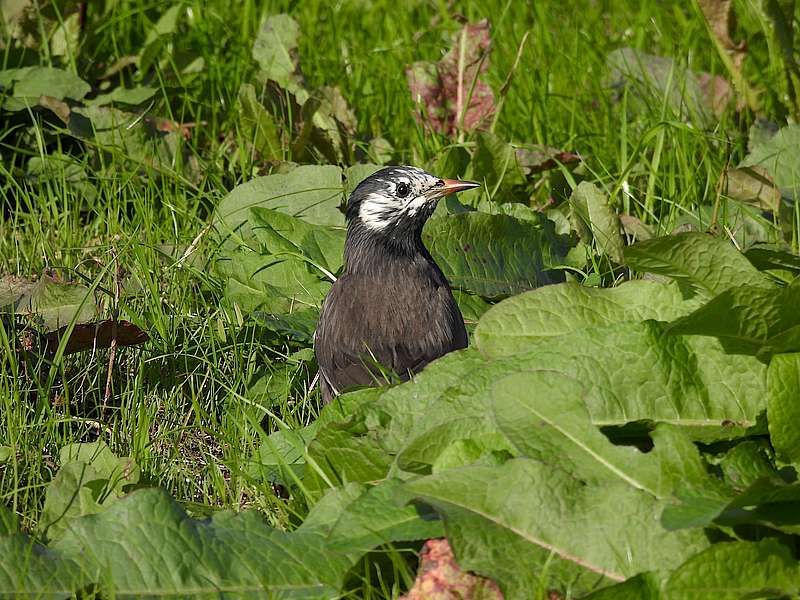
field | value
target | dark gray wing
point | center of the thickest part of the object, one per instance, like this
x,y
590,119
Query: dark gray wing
x,y
368,338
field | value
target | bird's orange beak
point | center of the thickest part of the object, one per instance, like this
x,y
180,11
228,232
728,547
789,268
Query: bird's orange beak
x,y
451,186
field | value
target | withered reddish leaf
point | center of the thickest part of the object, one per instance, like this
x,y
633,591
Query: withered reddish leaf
x,y
440,578
451,94
426,91
717,91
535,158
721,20
97,335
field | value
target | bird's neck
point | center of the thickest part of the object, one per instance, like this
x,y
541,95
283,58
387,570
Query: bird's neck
x,y
368,251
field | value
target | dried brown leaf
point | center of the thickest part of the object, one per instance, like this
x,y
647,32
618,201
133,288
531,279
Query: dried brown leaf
x,y
58,107
752,185
95,336
635,228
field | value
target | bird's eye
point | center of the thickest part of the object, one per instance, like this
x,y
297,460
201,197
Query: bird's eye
x,y
403,190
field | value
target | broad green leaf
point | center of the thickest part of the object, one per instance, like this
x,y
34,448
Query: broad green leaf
x,y
356,518
609,530
51,302
450,392
455,443
595,220
310,192
492,255
280,233
472,307
518,565
753,320
327,510
233,553
12,290
494,164
650,376
288,448
122,95
695,508
734,570
259,127
158,36
654,82
275,51
747,462
489,448
554,406
355,174
29,83
281,452
637,371
761,131
59,303
29,570
380,151
59,170
344,454
128,136
451,162
745,224
438,418
778,155
704,264
765,257
514,324
519,211
768,501
644,586
334,124
268,387
376,517
90,477
299,324
274,284
6,454
783,409
73,493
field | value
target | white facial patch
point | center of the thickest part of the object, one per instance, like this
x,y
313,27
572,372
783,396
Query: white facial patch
x,y
377,209
380,209
415,205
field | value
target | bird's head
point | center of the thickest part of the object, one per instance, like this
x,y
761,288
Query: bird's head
x,y
396,201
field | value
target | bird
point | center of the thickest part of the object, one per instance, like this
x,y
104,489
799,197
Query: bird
x,y
391,311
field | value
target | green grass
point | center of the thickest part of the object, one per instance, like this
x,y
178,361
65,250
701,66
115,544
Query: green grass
x,y
178,404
